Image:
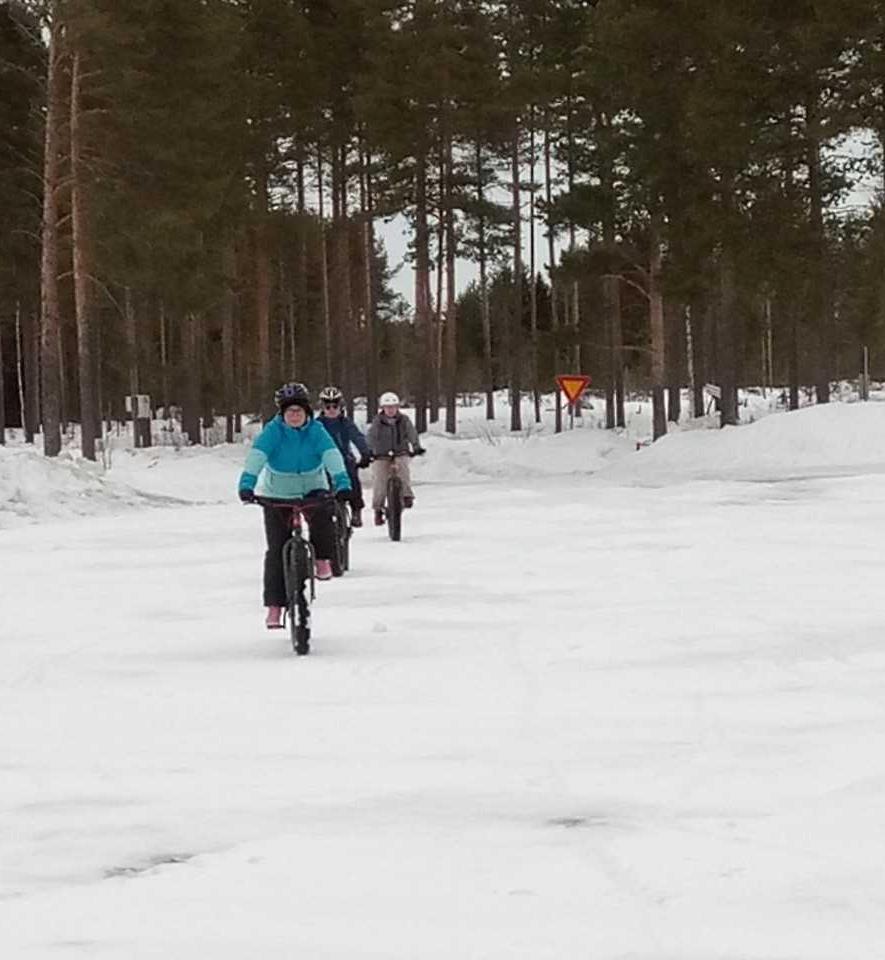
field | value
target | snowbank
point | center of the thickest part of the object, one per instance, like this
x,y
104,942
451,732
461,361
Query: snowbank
x,y
521,456
831,440
193,474
33,487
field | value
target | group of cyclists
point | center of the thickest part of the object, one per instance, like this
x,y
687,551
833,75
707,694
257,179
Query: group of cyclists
x,y
300,456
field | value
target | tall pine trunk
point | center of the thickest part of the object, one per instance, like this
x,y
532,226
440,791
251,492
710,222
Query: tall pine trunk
x,y
82,245
656,321
371,357
551,255
324,271
819,306
488,375
50,357
228,372
514,346
424,331
533,289
263,283
726,340
451,331
193,377
2,392
673,320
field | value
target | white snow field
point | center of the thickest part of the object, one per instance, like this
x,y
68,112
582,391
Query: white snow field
x,y
597,705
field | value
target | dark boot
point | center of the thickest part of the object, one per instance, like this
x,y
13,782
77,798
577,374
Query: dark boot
x,y
379,518
408,502
356,518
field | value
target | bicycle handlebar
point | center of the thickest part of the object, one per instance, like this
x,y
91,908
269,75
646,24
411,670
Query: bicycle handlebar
x,y
299,504
392,455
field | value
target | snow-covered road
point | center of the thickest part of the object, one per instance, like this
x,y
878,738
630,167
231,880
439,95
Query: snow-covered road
x,y
563,719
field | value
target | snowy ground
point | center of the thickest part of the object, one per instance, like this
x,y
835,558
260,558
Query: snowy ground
x,y
598,704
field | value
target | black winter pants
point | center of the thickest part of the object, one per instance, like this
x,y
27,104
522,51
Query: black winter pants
x,y
277,529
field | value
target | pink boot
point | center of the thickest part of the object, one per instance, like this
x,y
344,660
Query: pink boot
x,y
324,569
274,618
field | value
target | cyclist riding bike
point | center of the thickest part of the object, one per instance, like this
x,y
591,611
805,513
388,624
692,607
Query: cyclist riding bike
x,y
290,460
346,435
391,433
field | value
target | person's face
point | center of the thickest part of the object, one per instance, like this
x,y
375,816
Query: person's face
x,y
390,411
295,416
332,410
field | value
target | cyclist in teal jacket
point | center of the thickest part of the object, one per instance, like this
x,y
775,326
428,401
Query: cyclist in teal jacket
x,y
290,460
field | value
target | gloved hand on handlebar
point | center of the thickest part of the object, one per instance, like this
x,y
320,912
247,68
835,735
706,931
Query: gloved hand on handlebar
x,y
364,463
418,452
343,496
247,496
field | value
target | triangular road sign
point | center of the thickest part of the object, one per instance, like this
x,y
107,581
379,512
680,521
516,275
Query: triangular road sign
x,y
573,385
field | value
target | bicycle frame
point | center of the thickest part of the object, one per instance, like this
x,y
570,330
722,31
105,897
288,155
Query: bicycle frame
x,y
394,495
298,567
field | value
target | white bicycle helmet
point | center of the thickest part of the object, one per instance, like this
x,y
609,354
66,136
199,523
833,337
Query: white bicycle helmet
x,y
389,399
331,395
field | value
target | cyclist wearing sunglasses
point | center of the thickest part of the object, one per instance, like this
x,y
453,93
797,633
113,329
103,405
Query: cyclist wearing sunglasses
x,y
346,435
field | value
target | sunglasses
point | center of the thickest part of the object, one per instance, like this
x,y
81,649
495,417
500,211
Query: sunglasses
x,y
334,405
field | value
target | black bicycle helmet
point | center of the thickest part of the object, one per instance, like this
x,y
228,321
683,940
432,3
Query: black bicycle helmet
x,y
292,394
331,395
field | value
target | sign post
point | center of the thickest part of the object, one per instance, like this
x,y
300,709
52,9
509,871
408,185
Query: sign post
x,y
572,385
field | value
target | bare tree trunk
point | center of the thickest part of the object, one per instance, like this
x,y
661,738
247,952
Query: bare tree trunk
x,y
485,310
422,294
131,342
50,358
324,264
20,370
656,320
340,285
819,306
673,315
726,340
82,244
437,313
31,365
368,276
193,378
533,290
164,356
451,346
793,358
228,373
515,344
263,285
694,345
2,393
551,254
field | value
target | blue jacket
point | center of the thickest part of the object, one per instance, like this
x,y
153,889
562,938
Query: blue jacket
x,y
288,462
345,432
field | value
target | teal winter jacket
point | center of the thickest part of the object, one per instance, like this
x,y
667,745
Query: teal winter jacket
x,y
288,462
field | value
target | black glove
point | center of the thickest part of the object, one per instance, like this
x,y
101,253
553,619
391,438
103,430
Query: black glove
x,y
419,452
343,496
247,496
364,463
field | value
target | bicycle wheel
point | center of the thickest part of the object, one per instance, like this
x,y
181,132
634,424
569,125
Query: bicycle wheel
x,y
298,570
394,508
